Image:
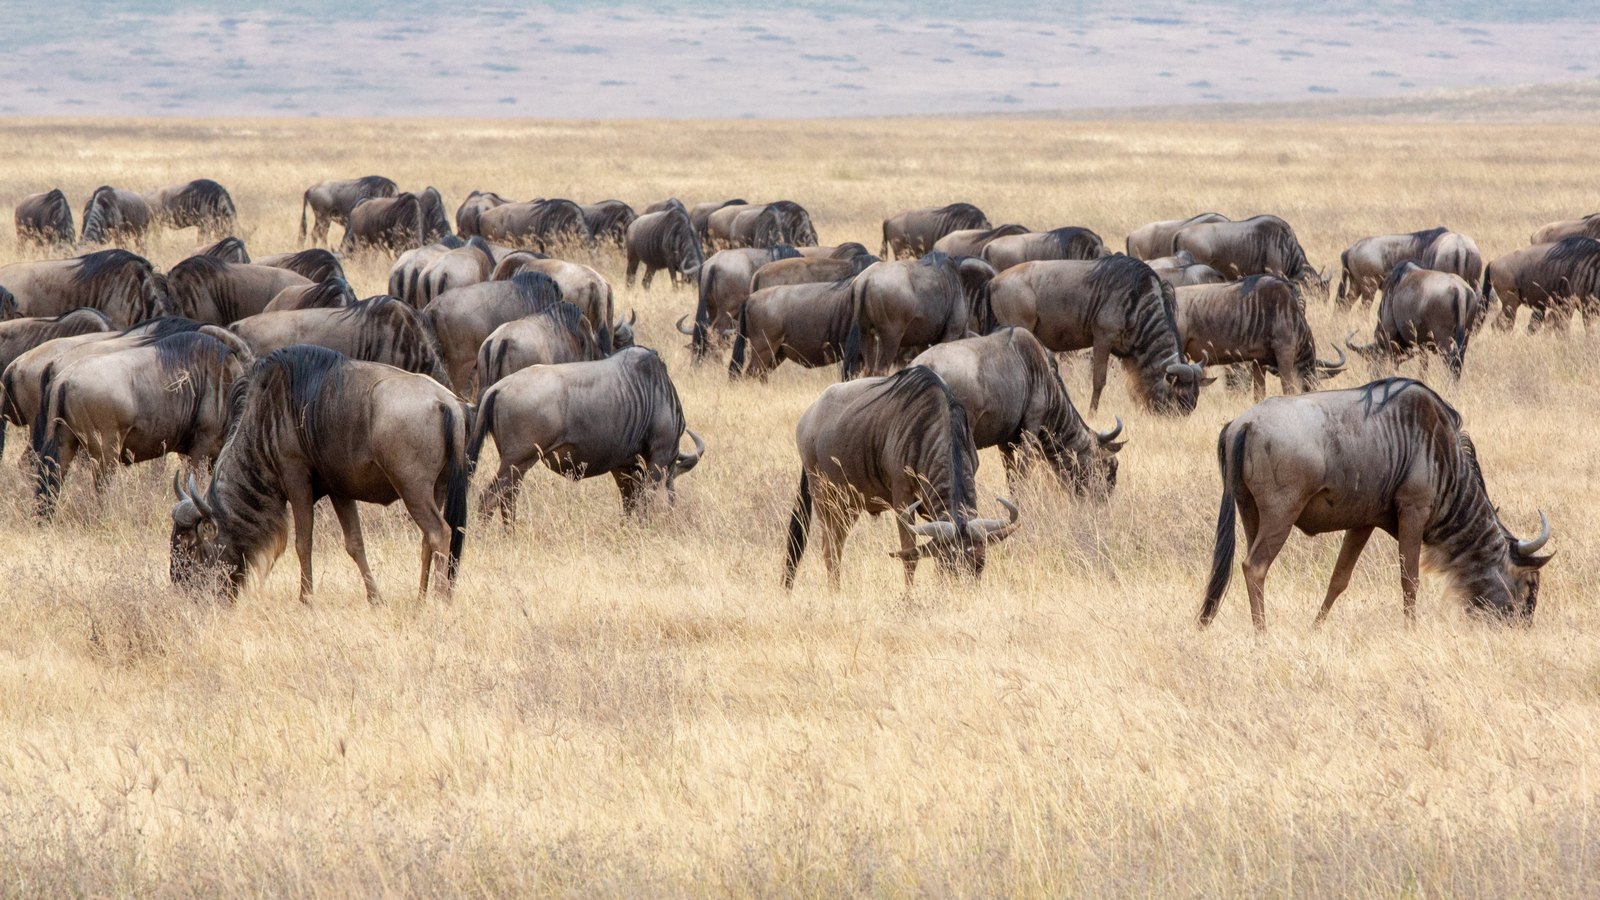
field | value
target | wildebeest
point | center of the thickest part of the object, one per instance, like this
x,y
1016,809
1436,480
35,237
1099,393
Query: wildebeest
x,y
468,264
378,329
1454,253
203,204
664,240
580,285
781,223
1261,321
405,276
332,201
1014,398
906,306
1058,243
134,405
556,334
725,283
914,232
1422,311
120,284
45,220
115,216
1261,245
541,225
19,336
227,249
1119,307
898,444
389,224
618,416
330,294
1588,226
1154,240
435,221
1367,262
807,323
313,264
1391,456
464,318
971,241
608,220
311,423
472,207
1557,279
210,290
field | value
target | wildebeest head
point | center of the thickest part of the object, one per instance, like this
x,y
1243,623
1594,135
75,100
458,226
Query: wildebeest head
x,y
200,557
958,544
1090,469
1511,588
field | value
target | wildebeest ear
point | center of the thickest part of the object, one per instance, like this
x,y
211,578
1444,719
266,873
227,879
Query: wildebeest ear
x,y
1535,562
1113,446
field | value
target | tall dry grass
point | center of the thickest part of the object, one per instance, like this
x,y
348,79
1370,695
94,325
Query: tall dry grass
x,y
610,707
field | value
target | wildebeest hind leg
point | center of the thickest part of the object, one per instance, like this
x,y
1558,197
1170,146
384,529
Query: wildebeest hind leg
x,y
350,524
1355,540
435,537
1272,531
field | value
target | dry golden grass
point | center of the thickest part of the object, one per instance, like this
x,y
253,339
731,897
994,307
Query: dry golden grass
x,y
633,709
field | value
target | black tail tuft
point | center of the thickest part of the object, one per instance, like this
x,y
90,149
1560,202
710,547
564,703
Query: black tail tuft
x,y
1344,275
47,449
701,341
736,364
478,429
799,529
1232,469
458,476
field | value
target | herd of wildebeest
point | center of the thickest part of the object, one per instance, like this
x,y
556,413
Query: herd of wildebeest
x,y
272,378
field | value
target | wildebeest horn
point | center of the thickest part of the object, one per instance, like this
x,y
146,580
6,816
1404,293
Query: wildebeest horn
x,y
938,528
198,499
633,316
1106,437
1177,368
1334,368
690,331
177,487
1529,548
1363,349
993,529
687,461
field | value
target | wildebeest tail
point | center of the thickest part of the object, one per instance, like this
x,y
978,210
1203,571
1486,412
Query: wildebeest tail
x,y
1230,461
1486,292
458,475
736,364
700,341
884,252
1344,275
850,359
479,427
305,201
47,447
799,529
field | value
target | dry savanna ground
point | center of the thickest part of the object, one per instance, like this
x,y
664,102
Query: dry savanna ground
x,y
621,708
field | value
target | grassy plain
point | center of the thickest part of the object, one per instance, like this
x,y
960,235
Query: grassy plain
x,y
618,708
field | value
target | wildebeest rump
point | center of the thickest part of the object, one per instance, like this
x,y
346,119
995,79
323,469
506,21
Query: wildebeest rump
x,y
1425,312
115,216
44,220
906,306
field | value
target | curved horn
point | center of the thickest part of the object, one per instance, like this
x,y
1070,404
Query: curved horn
x,y
690,331
992,530
938,529
1333,368
177,487
1106,437
1363,349
1177,368
687,461
1529,548
198,498
633,316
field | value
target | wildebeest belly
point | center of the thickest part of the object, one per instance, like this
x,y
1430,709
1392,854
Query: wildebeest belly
x,y
1341,509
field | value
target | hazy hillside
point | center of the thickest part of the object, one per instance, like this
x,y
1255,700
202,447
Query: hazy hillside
x,y
635,59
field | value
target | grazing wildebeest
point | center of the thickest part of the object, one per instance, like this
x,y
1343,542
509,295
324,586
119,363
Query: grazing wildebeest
x,y
807,323
1391,456
897,444
1454,253
541,225
19,336
311,423
405,276
115,216
1588,226
45,220
1014,398
1555,279
435,222
608,220
555,334
1155,239
1119,307
1262,245
1058,243
331,201
618,416
473,207
202,204
1261,321
460,267
914,232
665,240
216,292
314,264
1366,263
120,284
134,405
971,241
725,283
389,224
1422,311
228,249
330,294
464,318
378,329
906,306
580,285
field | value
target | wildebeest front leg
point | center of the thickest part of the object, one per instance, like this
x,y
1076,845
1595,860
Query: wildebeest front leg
x,y
1409,533
908,551
302,505
1288,376
633,268
649,273
833,526
350,524
634,486
1355,540
1101,361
